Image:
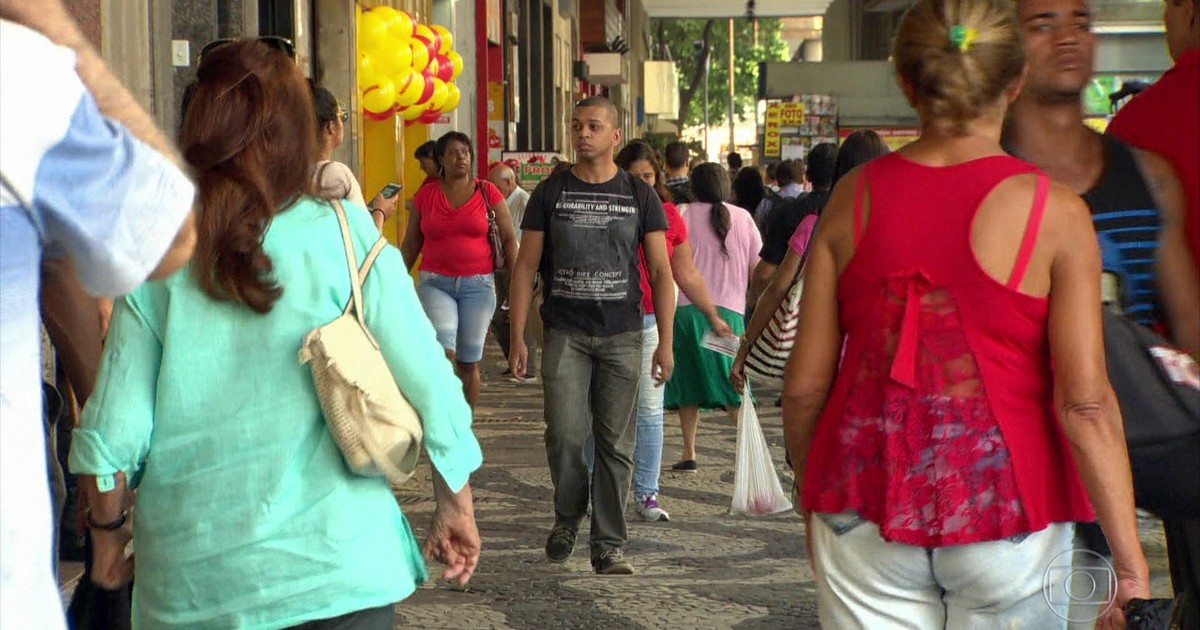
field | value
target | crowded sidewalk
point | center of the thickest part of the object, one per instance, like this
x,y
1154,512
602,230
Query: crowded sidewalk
x,y
703,569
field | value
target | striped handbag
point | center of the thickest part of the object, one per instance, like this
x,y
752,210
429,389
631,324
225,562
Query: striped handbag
x,y
769,354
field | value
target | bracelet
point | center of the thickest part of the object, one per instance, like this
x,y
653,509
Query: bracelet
x,y
374,210
109,526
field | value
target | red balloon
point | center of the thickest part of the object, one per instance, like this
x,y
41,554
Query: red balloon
x,y
428,92
430,116
445,69
431,38
384,115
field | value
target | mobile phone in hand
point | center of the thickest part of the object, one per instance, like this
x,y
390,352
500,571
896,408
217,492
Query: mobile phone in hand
x,y
391,190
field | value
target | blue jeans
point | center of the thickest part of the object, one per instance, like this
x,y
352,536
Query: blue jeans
x,y
647,452
460,309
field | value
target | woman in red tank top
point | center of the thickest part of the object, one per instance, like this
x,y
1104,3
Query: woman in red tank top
x,y
941,458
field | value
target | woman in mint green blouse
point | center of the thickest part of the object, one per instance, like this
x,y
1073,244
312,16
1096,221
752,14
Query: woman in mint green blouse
x,y
247,516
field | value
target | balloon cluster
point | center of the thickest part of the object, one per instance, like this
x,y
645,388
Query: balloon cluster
x,y
405,68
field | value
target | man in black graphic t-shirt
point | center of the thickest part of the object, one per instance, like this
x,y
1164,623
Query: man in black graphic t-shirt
x,y
582,230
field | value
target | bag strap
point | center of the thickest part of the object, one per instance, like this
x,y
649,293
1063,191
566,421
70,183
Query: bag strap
x,y
351,264
366,266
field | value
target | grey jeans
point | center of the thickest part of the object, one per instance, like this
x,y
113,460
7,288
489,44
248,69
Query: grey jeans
x,y
591,383
381,618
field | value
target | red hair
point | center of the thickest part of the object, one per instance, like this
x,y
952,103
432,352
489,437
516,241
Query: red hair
x,y
249,134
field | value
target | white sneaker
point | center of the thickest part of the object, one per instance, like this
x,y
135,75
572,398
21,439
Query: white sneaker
x,y
647,509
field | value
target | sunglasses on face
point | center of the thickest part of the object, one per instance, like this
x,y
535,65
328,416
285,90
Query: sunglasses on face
x,y
279,43
344,116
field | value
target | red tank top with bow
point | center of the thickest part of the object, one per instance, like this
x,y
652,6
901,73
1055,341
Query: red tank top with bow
x,y
940,427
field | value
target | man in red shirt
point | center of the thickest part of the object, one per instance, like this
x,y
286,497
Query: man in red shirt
x,y
1164,118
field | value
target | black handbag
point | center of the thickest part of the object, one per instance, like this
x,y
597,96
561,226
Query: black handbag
x,y
1158,388
95,608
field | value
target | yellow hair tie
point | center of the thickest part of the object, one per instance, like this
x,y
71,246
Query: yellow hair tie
x,y
962,37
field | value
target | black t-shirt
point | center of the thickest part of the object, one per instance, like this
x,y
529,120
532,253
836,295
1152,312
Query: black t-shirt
x,y
590,253
682,191
784,218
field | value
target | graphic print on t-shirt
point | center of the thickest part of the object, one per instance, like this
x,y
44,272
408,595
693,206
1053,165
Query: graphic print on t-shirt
x,y
595,239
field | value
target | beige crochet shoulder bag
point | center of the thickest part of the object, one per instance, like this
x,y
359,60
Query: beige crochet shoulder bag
x,y
377,430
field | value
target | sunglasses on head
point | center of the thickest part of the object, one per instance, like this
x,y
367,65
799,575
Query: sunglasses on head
x,y
279,43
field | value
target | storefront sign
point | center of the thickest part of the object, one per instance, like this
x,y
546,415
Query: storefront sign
x,y
893,137
531,167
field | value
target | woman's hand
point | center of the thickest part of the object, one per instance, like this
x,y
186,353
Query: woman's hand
x,y
720,327
111,567
737,374
453,538
382,209
806,517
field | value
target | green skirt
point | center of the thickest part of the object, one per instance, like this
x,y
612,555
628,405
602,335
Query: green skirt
x,y
701,377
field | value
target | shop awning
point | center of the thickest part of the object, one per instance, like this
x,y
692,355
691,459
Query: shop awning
x,y
727,9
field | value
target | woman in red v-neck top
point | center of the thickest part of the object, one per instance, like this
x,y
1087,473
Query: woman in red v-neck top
x,y
946,455
449,230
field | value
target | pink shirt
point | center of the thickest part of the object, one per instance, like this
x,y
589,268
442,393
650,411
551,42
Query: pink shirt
x,y
799,241
727,277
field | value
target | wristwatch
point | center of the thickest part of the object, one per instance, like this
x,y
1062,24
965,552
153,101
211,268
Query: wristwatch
x,y
114,524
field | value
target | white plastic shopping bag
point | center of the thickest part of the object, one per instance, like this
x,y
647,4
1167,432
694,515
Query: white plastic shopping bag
x,y
756,487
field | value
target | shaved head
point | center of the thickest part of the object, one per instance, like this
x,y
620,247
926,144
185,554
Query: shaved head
x,y
503,177
603,103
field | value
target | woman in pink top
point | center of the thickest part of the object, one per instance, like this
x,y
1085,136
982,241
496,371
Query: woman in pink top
x,y
859,147
450,231
725,245
970,421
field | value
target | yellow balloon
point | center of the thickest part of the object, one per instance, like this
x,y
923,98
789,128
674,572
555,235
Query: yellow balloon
x,y
412,112
372,32
402,27
456,60
453,96
368,74
379,97
440,94
411,89
394,58
425,33
420,55
447,38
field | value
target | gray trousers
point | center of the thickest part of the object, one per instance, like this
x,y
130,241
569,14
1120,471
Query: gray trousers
x,y
381,618
591,383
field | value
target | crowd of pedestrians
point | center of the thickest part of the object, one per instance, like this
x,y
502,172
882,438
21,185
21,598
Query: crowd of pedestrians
x,y
947,411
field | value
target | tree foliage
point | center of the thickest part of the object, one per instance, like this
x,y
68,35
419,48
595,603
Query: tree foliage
x,y
677,36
